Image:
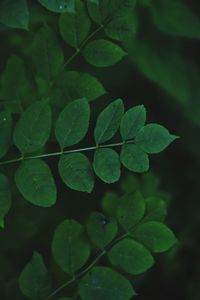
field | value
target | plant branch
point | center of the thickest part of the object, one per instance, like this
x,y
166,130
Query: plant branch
x,y
59,153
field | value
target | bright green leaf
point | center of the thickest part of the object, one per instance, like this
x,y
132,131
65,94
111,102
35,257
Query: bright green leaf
x,y
76,172
101,230
105,283
59,6
34,280
154,138
103,53
75,27
36,183
75,85
132,121
156,236
5,132
122,29
134,158
176,18
130,210
108,121
14,14
131,257
5,198
156,209
73,122
33,128
107,165
70,248
47,54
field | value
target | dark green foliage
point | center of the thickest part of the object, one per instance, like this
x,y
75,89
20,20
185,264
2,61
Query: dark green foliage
x,y
127,248
72,53
14,13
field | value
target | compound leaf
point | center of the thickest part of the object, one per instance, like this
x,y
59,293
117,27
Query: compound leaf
x,y
131,256
156,236
130,210
132,121
103,53
70,248
33,128
154,138
34,280
47,54
5,198
108,121
107,165
36,183
105,283
76,172
73,122
134,158
5,132
74,27
101,230
59,6
14,14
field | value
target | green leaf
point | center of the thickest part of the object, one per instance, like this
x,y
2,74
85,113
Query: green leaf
x,y
75,85
75,27
47,54
101,230
156,209
72,123
103,53
176,18
5,132
33,128
134,158
34,280
76,172
131,210
108,121
154,138
59,6
156,236
17,90
107,165
105,283
110,203
102,10
122,29
131,257
14,14
132,121
5,198
36,183
70,248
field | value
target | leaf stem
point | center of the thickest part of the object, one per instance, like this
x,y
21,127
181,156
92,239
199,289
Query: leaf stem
x,y
59,153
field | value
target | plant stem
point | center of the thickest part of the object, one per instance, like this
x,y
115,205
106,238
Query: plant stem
x,y
46,155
